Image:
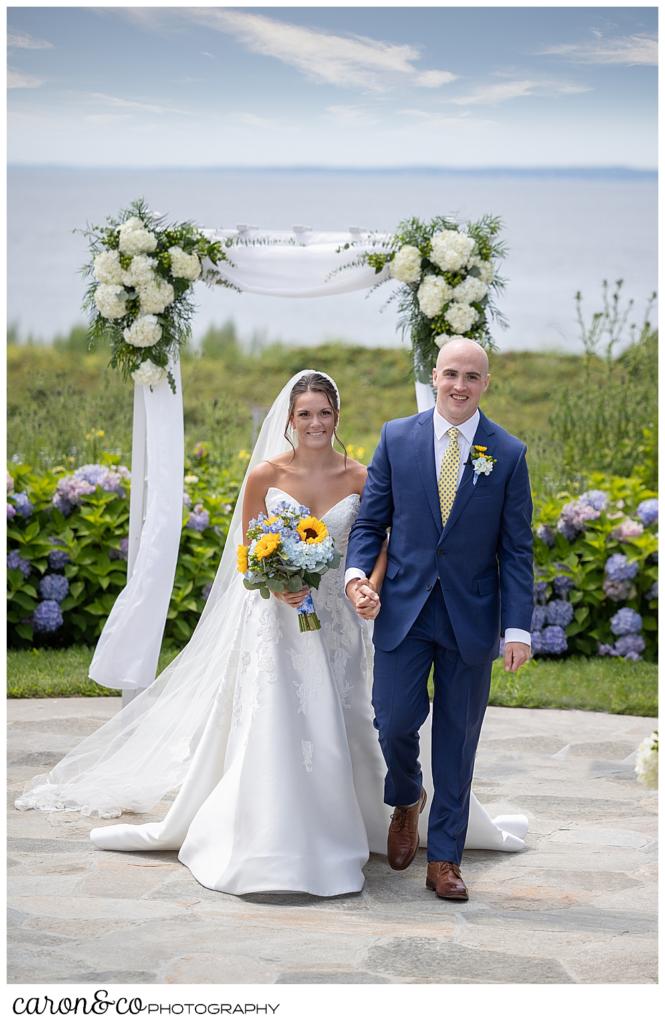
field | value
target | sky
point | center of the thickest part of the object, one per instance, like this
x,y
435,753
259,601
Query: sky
x,y
333,86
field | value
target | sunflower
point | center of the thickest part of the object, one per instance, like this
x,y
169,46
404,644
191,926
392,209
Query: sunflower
x,y
312,530
242,558
271,521
267,544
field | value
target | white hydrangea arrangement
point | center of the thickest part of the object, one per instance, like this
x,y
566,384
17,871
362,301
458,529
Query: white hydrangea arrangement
x,y
646,765
448,279
141,274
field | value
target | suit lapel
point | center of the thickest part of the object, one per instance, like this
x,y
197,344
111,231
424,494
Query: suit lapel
x,y
466,489
425,460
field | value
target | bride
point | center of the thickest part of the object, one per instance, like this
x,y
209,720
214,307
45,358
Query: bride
x,y
266,731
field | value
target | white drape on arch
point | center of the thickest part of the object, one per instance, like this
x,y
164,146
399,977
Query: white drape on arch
x,y
289,264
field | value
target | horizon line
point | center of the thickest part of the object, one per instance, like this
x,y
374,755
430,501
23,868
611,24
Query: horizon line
x,y
346,168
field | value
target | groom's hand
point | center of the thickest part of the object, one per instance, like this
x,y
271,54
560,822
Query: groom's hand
x,y
515,655
363,597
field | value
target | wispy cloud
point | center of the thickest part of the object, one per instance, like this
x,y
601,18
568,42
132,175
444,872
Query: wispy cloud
x,y
19,80
350,115
135,105
23,41
635,49
500,92
347,61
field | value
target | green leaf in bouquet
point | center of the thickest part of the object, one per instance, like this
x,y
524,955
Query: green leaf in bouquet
x,y
276,586
265,593
295,583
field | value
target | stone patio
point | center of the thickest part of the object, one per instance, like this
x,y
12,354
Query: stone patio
x,y
577,906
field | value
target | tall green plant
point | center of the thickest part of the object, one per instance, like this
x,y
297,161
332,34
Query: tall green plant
x,y
605,417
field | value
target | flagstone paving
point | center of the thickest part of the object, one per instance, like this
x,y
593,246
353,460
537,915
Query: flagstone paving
x,y
577,906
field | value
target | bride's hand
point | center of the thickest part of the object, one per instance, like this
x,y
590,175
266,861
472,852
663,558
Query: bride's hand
x,y
368,602
293,599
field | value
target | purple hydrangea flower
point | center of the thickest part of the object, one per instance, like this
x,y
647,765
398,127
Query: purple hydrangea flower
x,y
559,613
574,517
14,561
11,511
562,586
606,651
53,587
545,534
22,504
205,590
199,518
47,617
538,619
551,640
627,529
541,591
597,499
69,493
652,592
200,451
108,478
632,656
617,590
630,644
626,621
617,567
121,551
57,559
186,500
648,511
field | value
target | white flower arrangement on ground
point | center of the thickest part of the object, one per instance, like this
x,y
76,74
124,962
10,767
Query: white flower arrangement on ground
x,y
141,275
447,280
646,766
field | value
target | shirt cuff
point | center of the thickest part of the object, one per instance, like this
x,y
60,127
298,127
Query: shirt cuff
x,y
352,574
517,636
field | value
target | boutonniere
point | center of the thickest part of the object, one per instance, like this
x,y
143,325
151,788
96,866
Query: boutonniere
x,y
481,460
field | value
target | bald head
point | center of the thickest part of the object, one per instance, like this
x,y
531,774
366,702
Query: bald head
x,y
467,350
460,377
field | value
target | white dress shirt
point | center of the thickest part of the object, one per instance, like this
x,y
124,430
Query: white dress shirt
x,y
467,432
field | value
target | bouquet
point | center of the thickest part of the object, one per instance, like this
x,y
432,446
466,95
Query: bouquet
x,y
646,767
287,551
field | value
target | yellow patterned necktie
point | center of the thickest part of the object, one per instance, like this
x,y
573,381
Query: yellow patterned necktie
x,y
448,474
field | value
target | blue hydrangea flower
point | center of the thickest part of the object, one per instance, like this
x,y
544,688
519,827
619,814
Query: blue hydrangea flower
x,y
546,534
538,619
652,592
559,613
632,656
568,530
121,551
617,567
205,590
541,591
562,586
14,561
617,590
597,499
648,511
626,621
47,617
630,644
11,511
57,559
199,518
551,640
606,651
22,504
54,588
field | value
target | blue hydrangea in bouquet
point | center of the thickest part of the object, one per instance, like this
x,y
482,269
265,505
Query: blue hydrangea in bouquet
x,y
287,551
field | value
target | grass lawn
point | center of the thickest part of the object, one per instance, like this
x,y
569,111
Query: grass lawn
x,y
589,684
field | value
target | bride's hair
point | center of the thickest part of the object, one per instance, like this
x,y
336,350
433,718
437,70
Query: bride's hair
x,y
314,382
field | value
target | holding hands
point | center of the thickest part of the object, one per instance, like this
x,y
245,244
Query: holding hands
x,y
364,598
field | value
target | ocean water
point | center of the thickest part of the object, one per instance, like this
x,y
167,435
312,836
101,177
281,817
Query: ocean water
x,y
565,232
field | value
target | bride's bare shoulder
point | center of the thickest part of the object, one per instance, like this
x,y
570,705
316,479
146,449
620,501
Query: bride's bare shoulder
x,y
357,474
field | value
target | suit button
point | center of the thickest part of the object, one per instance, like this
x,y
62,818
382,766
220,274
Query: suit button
x,y
439,551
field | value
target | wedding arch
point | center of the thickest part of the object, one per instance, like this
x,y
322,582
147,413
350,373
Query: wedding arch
x,y
141,277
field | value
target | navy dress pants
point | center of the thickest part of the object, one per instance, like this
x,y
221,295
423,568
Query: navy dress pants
x,y
401,705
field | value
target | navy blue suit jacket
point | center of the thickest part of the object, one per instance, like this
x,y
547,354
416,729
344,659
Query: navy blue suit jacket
x,y
484,555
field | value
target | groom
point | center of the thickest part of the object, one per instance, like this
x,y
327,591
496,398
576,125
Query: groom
x,y
453,488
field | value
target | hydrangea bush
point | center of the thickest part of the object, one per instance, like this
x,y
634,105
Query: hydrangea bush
x,y
596,572
67,555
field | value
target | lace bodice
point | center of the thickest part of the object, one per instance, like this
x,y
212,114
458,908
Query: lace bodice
x,y
339,519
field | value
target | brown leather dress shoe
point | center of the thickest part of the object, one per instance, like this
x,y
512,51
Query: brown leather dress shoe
x,y
445,879
403,838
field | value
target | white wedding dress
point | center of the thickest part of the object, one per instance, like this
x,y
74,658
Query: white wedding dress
x,y
289,796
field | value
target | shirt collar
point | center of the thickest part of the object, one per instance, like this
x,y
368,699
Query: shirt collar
x,y
466,429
